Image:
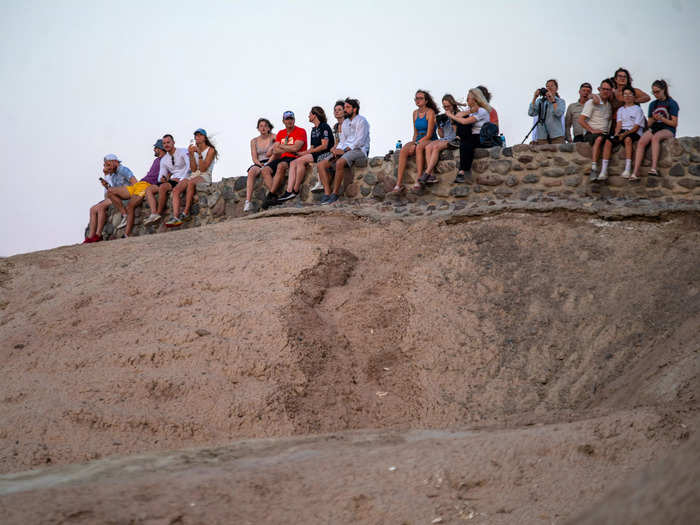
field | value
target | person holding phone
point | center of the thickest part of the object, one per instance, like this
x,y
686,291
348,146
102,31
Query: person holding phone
x,y
115,174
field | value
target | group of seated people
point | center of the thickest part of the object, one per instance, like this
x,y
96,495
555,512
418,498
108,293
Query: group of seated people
x,y
609,119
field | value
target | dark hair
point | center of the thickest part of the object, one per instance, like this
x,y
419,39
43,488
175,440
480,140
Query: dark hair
x,y
354,103
555,83
486,92
318,111
169,136
263,119
586,84
609,81
628,88
339,103
661,84
429,102
622,70
455,105
209,144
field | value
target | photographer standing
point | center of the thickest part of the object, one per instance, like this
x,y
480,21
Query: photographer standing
x,y
548,107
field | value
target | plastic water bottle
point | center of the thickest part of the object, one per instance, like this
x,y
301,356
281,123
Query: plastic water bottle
x,y
398,145
503,140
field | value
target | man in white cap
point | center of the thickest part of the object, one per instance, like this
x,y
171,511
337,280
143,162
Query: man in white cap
x,y
115,174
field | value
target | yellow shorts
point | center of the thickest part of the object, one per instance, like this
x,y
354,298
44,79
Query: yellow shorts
x,y
138,189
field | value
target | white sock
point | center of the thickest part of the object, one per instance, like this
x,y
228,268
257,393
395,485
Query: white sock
x,y
594,166
605,167
628,164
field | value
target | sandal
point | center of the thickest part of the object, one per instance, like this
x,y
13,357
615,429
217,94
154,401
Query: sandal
x,y
432,179
633,177
653,172
397,189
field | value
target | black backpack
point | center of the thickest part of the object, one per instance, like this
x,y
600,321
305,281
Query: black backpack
x,y
488,137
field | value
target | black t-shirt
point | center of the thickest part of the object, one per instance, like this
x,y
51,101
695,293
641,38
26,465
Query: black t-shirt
x,y
323,131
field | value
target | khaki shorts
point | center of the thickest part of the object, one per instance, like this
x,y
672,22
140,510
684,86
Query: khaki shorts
x,y
206,175
138,189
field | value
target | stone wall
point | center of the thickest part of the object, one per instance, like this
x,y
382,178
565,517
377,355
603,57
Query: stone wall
x,y
518,173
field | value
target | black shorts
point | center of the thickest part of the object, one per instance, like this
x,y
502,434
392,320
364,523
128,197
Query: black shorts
x,y
172,183
274,163
263,161
591,137
617,142
578,138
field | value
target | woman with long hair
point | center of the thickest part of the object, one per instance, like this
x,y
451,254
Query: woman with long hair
x,y
202,155
663,121
321,142
447,131
260,152
423,134
469,125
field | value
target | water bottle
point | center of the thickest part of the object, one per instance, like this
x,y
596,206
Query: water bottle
x,y
503,140
398,145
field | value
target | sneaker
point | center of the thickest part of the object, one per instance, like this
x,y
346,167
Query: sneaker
x,y
459,178
602,176
625,174
423,178
432,179
184,217
455,142
123,223
153,217
593,176
317,187
332,198
324,199
287,195
173,221
248,206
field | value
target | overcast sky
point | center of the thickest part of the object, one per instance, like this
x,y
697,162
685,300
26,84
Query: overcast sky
x,y
81,79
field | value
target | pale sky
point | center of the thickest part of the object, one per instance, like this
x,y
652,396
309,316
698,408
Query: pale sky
x,y
81,79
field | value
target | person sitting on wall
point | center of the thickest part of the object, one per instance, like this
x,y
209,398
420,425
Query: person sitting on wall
x,y
202,155
595,119
423,134
339,114
572,113
115,174
352,147
469,124
174,169
136,192
663,121
447,131
260,152
289,142
549,108
628,129
322,142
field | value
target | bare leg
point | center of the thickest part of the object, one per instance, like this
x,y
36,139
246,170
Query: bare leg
x,y
340,166
628,147
177,191
656,140
420,158
163,190
130,207
267,178
434,149
641,146
324,176
250,182
607,150
189,195
92,230
408,150
279,176
151,197
596,149
102,215
116,195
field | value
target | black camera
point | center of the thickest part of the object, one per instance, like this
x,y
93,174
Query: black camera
x,y
441,119
543,92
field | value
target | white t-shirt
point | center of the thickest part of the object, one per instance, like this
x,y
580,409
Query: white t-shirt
x,y
482,117
180,169
631,116
598,115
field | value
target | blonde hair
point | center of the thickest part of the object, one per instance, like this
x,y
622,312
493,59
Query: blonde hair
x,y
480,98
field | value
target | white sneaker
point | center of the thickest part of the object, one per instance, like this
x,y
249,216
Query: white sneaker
x,y
153,217
602,176
317,187
626,174
247,206
122,224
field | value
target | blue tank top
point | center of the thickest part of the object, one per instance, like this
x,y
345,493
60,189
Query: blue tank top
x,y
421,124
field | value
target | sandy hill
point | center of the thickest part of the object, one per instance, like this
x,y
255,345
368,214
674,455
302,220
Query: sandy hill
x,y
328,368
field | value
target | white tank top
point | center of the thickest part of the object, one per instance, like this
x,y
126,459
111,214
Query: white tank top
x,y
204,156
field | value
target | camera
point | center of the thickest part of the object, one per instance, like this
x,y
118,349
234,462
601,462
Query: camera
x,y
441,119
543,92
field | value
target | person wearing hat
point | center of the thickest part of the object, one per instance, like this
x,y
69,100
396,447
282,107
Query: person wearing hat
x,y
174,170
136,192
202,155
115,174
289,142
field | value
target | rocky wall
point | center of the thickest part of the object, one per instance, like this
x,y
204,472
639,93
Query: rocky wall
x,y
518,173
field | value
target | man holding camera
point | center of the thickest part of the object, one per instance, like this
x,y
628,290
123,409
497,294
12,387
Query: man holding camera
x,y
548,108
573,111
